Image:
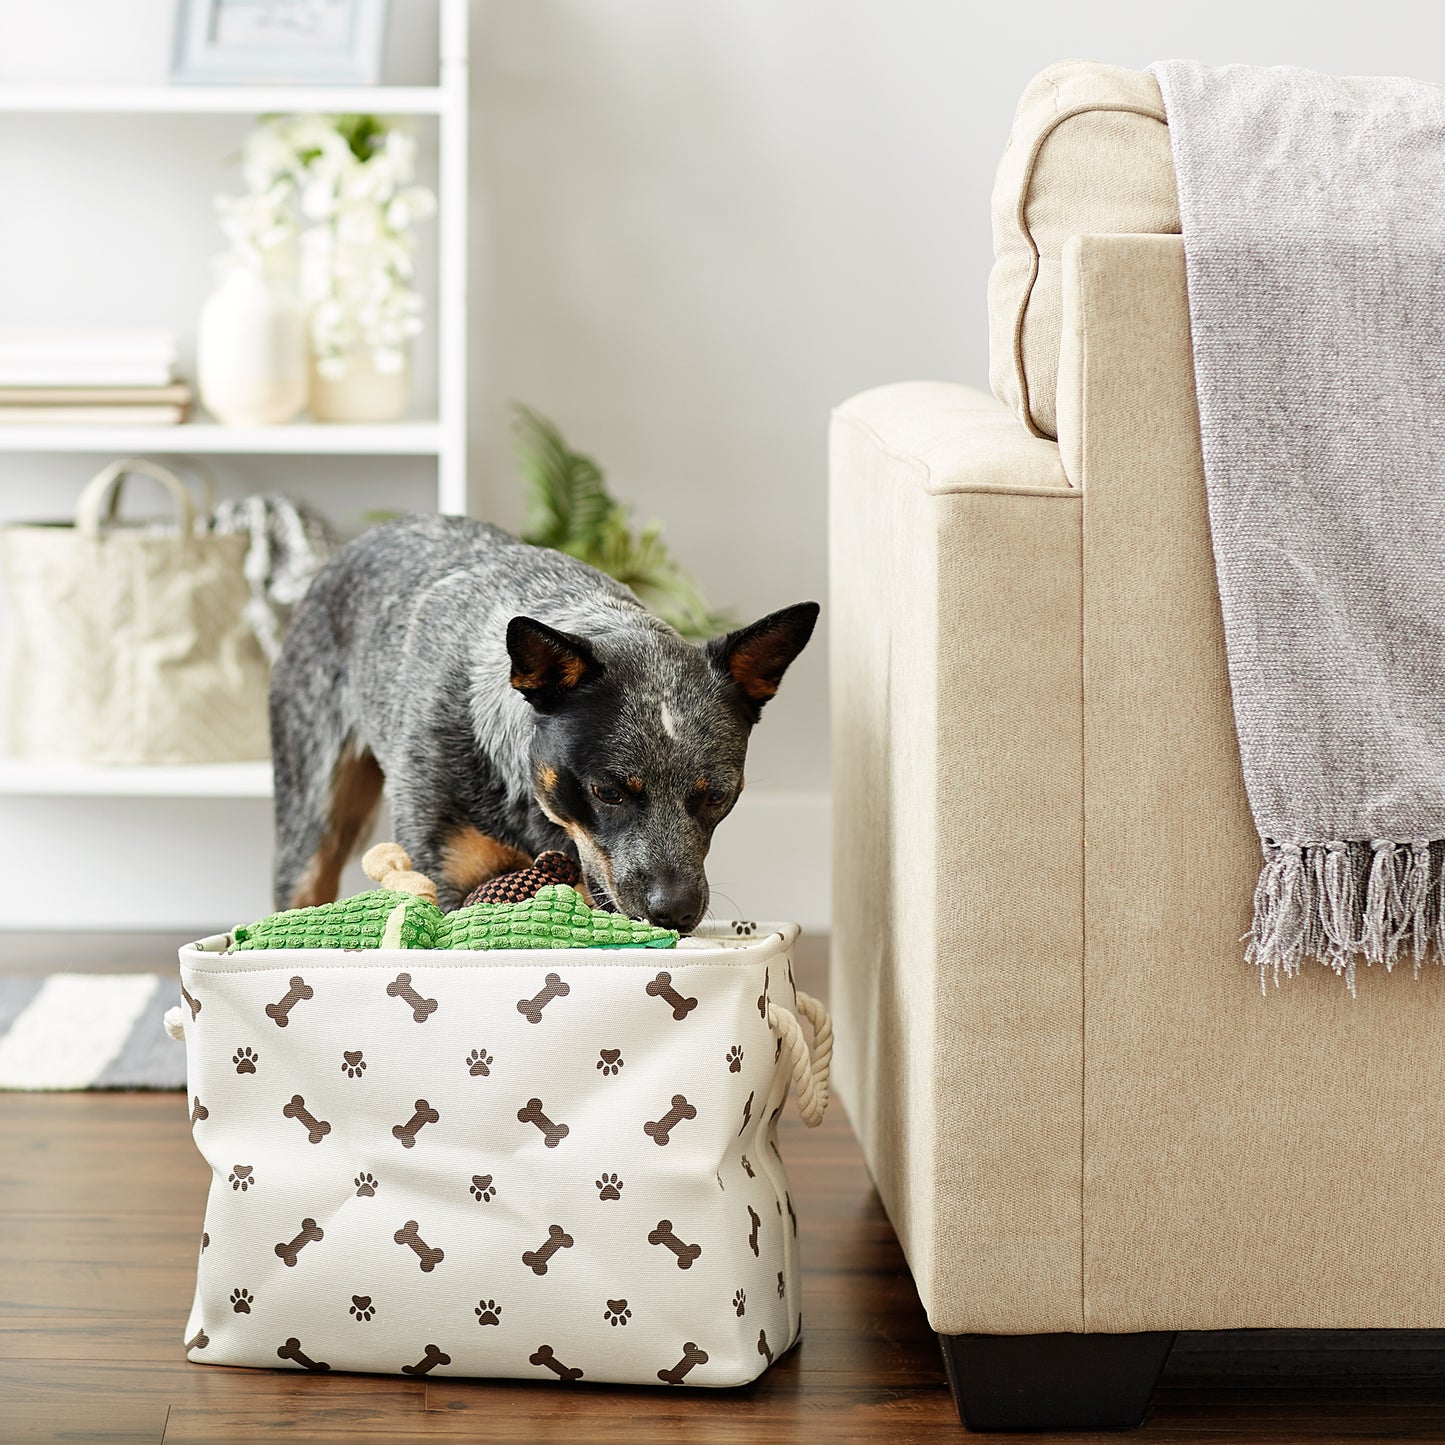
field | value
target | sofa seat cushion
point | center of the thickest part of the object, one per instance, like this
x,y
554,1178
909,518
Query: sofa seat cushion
x,y
1088,155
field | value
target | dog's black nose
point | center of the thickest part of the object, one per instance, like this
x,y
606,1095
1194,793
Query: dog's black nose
x,y
674,905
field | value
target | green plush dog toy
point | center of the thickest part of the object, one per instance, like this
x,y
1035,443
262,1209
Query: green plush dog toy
x,y
403,913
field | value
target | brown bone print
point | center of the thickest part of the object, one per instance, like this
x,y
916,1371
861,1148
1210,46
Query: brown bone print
x,y
432,1356
757,1225
316,1129
686,1253
691,1356
763,1349
299,990
531,1008
661,987
199,1112
193,1004
747,1116
536,1259
198,1341
660,1130
421,1008
428,1256
763,996
291,1350
310,1233
532,1113
547,1357
407,1132
792,1214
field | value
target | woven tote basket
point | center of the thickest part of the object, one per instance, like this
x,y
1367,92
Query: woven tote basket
x,y
556,1164
129,644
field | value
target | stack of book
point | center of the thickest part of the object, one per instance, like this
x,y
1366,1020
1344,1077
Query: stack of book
x,y
99,378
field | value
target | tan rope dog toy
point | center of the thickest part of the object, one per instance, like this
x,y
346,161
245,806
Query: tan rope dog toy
x,y
390,865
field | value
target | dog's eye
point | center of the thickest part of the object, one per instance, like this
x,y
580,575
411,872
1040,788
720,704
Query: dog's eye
x,y
606,793
717,797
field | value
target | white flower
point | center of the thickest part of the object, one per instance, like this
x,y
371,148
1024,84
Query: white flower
x,y
355,246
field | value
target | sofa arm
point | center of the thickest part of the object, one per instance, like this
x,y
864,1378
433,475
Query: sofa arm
x,y
949,438
957,766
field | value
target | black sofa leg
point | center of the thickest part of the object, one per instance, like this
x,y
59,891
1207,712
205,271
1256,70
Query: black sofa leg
x,y
1054,1382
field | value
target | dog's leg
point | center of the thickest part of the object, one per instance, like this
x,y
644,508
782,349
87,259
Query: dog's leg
x,y
327,785
317,836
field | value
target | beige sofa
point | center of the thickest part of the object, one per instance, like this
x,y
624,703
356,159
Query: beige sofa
x,y
1089,1126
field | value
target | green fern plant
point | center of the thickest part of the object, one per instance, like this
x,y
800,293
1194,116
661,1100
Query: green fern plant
x,y
570,508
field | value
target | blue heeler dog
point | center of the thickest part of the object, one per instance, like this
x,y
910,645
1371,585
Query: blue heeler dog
x,y
513,700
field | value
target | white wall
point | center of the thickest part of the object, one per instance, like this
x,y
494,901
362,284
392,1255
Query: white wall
x,y
697,227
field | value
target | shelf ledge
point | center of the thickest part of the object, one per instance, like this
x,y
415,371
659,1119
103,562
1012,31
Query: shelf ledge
x,y
185,780
222,99
210,439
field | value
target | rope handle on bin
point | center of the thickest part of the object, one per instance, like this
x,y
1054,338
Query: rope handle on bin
x,y
811,1067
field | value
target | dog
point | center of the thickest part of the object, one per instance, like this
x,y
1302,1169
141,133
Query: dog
x,y
511,699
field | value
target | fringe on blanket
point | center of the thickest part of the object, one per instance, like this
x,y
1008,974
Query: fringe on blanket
x,y
1340,902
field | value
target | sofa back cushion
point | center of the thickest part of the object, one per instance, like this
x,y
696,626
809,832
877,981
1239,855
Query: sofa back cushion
x,y
1088,155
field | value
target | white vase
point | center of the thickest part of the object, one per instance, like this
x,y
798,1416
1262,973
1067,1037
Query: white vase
x,y
251,351
361,393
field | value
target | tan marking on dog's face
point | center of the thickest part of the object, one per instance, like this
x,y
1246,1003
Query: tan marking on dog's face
x,y
593,857
470,857
546,778
356,785
699,784
634,783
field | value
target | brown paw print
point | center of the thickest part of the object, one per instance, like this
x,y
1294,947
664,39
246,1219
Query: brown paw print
x,y
362,1308
610,1061
734,1058
609,1187
479,1063
241,1300
488,1312
744,928
353,1065
242,1177
617,1312
483,1188
245,1059
740,1303
365,1185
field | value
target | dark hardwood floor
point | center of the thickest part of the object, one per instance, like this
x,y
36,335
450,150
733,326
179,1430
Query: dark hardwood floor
x,y
101,1198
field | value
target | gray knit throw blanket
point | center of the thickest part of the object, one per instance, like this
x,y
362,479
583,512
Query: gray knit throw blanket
x,y
1313,212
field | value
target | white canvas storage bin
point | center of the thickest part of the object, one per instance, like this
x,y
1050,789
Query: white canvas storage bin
x,y
555,1164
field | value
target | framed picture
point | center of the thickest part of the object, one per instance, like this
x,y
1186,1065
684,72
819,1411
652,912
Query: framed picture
x,y
279,42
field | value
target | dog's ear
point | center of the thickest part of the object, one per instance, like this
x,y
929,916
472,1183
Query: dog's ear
x,y
548,666
755,658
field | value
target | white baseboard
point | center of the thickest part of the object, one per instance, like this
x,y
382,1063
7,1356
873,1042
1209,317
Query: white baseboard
x,y
202,865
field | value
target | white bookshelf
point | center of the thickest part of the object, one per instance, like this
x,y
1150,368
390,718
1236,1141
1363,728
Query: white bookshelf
x,y
443,437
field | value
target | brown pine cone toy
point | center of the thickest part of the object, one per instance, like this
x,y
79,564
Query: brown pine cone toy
x,y
520,886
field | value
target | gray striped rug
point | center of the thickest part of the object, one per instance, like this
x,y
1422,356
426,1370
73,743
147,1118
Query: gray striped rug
x,y
88,1031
